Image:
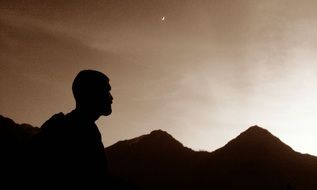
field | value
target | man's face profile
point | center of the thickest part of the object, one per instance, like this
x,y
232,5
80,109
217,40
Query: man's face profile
x,y
92,92
105,100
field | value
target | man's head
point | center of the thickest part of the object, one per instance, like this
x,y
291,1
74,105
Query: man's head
x,y
91,90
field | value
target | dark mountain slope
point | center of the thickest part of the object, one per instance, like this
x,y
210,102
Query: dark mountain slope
x,y
257,160
153,161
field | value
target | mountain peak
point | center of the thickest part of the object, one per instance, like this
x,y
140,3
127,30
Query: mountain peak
x,y
256,131
257,135
257,139
160,133
6,121
255,127
160,137
157,139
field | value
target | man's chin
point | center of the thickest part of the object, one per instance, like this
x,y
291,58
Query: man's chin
x,y
107,112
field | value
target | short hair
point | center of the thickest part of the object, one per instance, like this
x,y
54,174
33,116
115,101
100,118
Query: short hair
x,y
87,83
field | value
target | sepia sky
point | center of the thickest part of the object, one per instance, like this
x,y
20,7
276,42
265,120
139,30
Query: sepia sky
x,y
206,72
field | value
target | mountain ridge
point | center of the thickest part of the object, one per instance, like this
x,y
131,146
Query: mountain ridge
x,y
258,138
255,159
255,154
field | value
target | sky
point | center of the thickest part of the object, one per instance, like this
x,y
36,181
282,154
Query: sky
x,y
205,73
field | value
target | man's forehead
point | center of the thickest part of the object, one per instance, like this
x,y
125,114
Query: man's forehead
x,y
108,86
100,85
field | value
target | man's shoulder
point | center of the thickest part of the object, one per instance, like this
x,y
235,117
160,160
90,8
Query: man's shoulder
x,y
49,129
57,120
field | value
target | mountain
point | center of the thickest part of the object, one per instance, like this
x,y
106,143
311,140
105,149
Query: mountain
x,y
13,138
153,161
258,160
255,159
14,133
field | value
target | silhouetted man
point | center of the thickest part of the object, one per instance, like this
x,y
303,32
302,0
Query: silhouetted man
x,y
68,150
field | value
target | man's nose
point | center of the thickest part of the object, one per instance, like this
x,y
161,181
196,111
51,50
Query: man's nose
x,y
110,97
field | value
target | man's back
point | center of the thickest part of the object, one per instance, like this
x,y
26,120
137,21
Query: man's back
x,y
70,151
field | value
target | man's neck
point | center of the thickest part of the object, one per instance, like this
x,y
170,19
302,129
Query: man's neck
x,y
87,116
